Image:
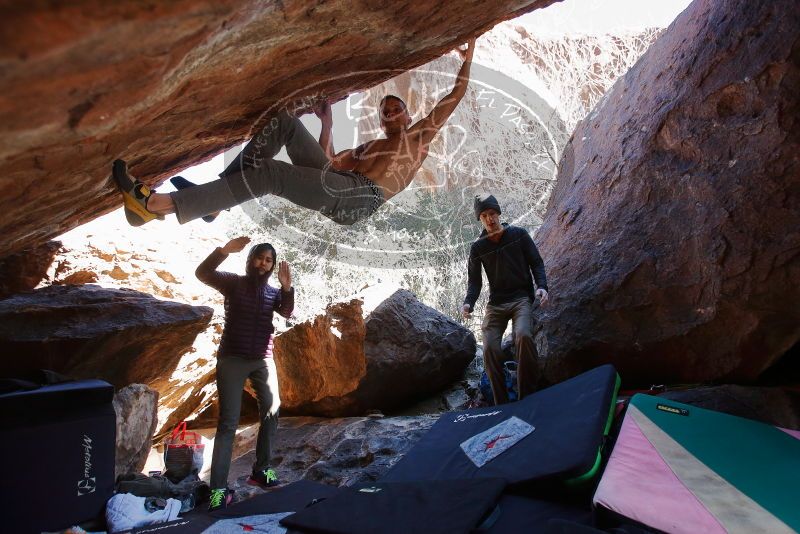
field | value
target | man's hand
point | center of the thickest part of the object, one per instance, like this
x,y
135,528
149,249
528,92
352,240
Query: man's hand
x,y
465,312
466,54
235,245
543,296
284,276
323,111
430,125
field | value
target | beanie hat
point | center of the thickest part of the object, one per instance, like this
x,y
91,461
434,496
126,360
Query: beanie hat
x,y
485,202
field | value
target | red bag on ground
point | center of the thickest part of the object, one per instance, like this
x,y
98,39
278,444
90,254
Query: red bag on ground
x,y
183,453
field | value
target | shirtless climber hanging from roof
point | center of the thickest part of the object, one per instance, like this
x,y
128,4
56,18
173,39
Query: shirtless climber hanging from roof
x,y
345,187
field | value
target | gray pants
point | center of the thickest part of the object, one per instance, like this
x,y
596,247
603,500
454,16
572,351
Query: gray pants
x,y
309,181
494,324
231,374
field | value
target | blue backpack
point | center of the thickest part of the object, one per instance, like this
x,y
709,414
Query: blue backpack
x,y
510,372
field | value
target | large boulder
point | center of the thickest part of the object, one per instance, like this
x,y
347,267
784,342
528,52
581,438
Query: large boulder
x,y
24,270
121,336
380,350
136,408
168,85
672,239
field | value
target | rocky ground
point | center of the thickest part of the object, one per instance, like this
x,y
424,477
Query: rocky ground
x,y
338,451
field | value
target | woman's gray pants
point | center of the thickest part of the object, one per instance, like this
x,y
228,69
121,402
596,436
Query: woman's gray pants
x,y
231,375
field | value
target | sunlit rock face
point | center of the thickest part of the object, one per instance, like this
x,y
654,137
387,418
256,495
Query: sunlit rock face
x,y
167,85
671,240
135,407
379,351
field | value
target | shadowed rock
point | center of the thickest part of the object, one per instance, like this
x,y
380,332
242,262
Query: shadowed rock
x,y
672,240
340,452
774,406
121,336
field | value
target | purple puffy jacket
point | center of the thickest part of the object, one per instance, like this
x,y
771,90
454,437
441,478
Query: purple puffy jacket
x,y
248,309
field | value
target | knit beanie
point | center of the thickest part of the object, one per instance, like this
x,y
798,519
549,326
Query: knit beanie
x,y
485,202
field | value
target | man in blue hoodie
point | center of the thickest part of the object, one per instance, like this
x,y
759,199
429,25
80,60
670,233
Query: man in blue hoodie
x,y
512,264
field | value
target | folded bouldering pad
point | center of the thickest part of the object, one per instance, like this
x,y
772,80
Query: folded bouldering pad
x,y
679,468
554,435
430,507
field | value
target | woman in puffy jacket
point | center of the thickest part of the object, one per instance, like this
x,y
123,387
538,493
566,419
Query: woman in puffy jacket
x,y
245,351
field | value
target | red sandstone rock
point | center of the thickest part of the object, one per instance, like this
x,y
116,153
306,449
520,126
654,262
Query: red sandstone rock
x,y
167,85
78,278
322,358
118,274
380,351
23,271
672,240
